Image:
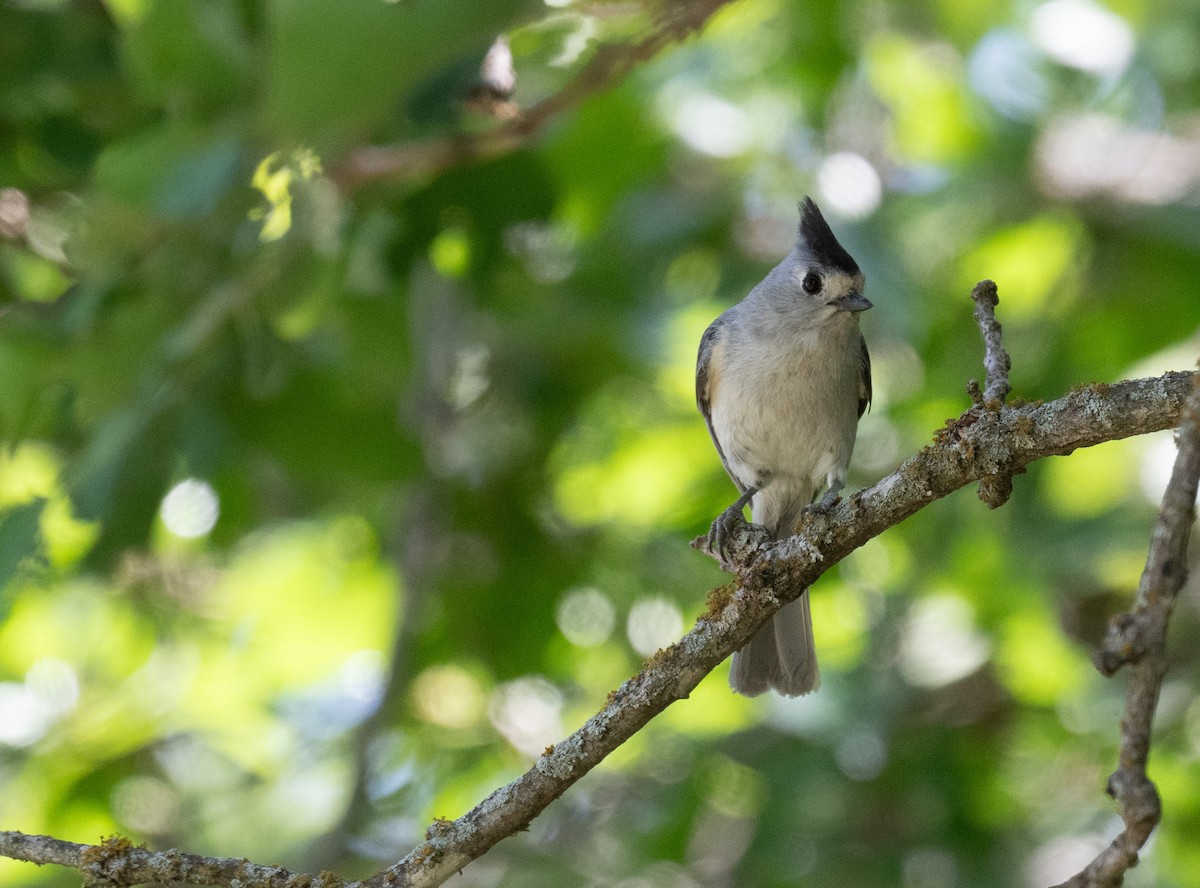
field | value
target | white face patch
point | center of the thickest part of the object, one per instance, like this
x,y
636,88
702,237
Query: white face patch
x,y
834,283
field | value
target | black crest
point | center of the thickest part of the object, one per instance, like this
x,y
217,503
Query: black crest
x,y
817,235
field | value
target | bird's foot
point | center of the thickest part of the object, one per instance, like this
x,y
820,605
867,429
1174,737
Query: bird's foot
x,y
820,508
828,501
722,530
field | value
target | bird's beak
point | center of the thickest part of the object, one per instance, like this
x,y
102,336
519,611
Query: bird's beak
x,y
852,302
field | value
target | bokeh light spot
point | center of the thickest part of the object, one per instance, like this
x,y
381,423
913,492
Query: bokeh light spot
x,y
734,789
23,719
849,185
528,714
861,754
1158,461
449,696
450,253
471,377
146,804
1083,35
939,644
54,684
1005,69
190,509
1061,858
363,676
654,623
712,125
586,617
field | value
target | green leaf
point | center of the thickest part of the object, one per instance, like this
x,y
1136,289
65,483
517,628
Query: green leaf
x,y
20,539
335,66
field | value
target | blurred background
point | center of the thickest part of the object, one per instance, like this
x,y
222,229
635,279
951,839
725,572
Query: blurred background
x,y
331,497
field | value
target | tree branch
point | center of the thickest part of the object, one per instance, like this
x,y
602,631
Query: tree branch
x,y
988,439
118,862
607,67
997,488
996,362
1140,638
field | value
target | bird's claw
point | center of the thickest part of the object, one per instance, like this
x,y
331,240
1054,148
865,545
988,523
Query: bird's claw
x,y
722,530
829,500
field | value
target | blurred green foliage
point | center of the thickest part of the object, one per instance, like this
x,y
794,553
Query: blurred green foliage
x,y
324,510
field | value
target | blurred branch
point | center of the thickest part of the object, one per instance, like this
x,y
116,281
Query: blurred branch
x,y
418,527
117,861
988,439
1140,638
418,545
610,64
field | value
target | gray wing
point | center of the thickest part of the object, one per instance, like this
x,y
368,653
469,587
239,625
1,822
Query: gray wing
x,y
708,378
864,377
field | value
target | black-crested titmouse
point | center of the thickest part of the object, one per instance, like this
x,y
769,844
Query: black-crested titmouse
x,y
782,379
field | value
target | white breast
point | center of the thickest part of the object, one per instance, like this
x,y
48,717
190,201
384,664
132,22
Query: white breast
x,y
784,412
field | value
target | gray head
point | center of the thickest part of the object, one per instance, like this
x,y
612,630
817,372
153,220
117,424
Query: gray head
x,y
819,274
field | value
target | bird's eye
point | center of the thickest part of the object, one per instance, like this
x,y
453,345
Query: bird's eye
x,y
812,283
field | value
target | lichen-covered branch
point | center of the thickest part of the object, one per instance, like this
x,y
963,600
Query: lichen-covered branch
x,y
996,362
118,862
1139,638
608,66
997,488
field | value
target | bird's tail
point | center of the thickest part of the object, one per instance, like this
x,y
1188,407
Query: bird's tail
x,y
781,655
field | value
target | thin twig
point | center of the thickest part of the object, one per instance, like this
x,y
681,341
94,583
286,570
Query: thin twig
x,y
994,489
1140,638
608,66
996,362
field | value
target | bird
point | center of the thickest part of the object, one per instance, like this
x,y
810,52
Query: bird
x,y
782,379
